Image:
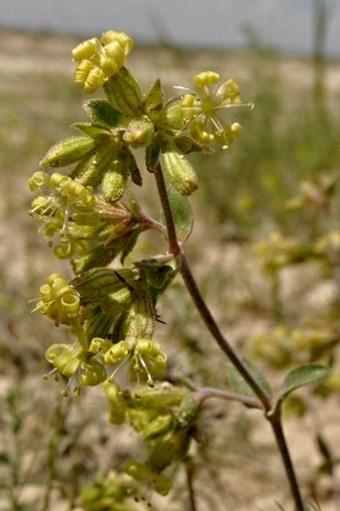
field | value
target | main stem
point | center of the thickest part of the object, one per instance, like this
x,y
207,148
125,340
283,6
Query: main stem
x,y
201,306
176,249
276,424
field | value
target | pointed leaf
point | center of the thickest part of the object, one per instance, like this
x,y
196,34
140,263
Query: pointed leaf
x,y
92,130
154,97
102,113
238,384
300,376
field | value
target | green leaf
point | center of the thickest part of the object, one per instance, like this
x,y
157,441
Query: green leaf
x,y
124,93
181,212
93,285
300,376
238,384
92,130
158,276
102,113
154,97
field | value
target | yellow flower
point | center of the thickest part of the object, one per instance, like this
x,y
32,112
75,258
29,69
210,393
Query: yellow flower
x,y
205,110
145,358
99,59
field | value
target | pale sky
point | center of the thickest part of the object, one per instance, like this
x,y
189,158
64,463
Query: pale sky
x,y
285,24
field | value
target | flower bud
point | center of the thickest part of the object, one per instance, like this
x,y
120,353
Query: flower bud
x,y
139,133
99,60
180,172
112,58
114,181
174,116
69,151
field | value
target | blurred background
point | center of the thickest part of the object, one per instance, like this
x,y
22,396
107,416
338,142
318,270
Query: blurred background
x,y
285,24
284,54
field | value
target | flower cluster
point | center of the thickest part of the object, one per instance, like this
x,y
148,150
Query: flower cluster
x,y
145,358
205,110
113,321
165,416
83,226
99,59
91,216
76,364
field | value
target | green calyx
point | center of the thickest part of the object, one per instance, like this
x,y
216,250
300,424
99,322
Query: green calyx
x,y
179,171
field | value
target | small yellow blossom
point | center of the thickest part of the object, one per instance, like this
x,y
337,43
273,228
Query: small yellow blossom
x,y
204,111
99,59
